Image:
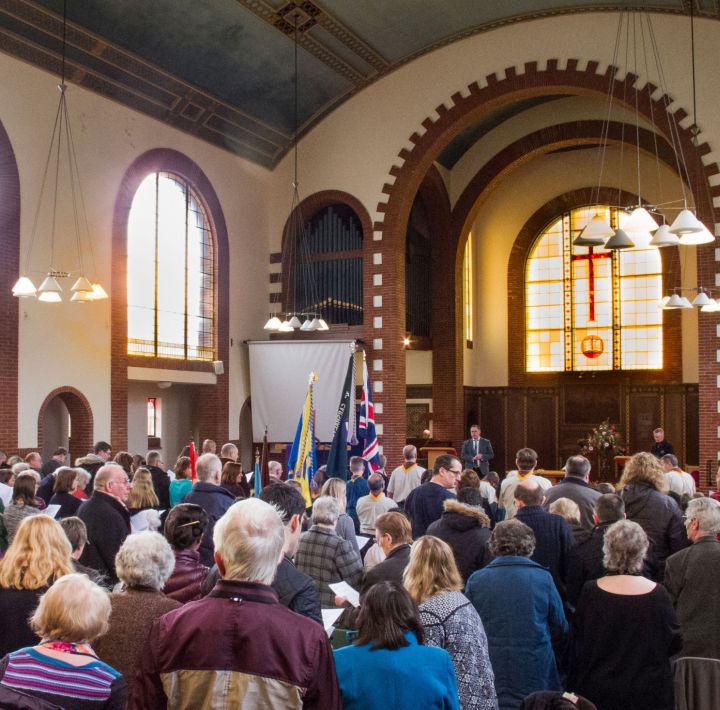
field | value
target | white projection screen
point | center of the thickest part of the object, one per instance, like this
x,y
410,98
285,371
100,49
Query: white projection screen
x,y
279,372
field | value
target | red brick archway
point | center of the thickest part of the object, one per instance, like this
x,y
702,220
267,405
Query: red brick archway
x,y
438,130
81,417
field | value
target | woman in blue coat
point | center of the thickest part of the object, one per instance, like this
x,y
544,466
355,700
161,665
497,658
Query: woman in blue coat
x,y
387,667
522,614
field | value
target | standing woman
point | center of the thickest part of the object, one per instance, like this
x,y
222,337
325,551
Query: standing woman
x,y
39,554
388,667
232,479
65,483
182,485
450,621
142,502
625,630
345,527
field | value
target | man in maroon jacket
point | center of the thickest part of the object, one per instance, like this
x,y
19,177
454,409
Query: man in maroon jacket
x,y
239,645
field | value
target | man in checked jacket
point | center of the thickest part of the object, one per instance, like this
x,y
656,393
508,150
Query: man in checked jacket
x,y
324,555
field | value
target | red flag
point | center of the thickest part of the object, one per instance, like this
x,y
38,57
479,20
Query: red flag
x,y
192,453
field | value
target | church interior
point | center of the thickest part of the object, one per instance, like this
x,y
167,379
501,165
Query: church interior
x,y
416,174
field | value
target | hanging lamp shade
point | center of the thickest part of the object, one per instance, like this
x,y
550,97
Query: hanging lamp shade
x,y
712,307
315,323
273,323
704,236
82,297
685,302
686,223
701,299
595,232
640,220
307,324
295,322
50,285
663,237
24,288
673,303
98,293
50,297
285,327
619,240
323,325
81,285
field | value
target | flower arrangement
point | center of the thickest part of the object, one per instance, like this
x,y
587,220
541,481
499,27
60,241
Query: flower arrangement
x,y
603,441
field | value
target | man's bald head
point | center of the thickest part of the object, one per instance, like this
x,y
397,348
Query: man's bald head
x,y
528,493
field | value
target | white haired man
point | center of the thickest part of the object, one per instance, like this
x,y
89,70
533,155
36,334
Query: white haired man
x,y
212,498
405,477
277,658
692,578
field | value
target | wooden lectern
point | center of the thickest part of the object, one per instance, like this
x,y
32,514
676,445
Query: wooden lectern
x,y
432,452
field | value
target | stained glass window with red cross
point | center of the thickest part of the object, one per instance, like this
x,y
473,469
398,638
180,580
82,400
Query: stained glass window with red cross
x,y
588,308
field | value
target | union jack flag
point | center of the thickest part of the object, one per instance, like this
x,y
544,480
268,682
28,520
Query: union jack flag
x,y
366,423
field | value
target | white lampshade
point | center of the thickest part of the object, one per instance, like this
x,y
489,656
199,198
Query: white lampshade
x,y
323,325
673,302
619,240
704,236
663,301
685,302
595,232
686,223
273,323
712,307
24,288
295,322
82,297
81,285
701,299
285,327
50,285
664,237
98,293
315,323
307,325
50,297
640,220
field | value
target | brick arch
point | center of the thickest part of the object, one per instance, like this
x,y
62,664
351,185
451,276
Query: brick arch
x,y
10,259
306,210
672,340
449,121
81,417
213,405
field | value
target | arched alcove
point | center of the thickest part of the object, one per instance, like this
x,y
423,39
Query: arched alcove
x,y
65,414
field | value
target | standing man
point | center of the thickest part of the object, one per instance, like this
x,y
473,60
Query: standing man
x,y
376,503
661,446
425,503
576,487
476,452
678,480
526,461
160,479
406,477
209,447
356,488
692,577
275,471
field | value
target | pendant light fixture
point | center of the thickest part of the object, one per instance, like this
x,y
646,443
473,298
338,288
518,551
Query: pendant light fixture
x,y
61,152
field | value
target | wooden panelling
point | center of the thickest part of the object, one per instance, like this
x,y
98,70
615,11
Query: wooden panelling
x,y
542,427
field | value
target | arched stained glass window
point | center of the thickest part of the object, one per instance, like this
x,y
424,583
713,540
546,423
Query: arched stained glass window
x,y
170,272
588,308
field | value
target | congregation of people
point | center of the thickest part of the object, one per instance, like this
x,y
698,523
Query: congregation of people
x,y
125,583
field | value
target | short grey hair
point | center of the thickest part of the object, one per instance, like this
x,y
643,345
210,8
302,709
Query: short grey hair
x,y
706,511
249,540
624,547
20,467
566,509
228,450
152,457
325,511
145,559
577,466
82,476
207,467
512,538
104,474
409,452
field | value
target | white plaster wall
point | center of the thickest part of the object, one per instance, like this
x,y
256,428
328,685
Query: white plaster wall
x,y
68,344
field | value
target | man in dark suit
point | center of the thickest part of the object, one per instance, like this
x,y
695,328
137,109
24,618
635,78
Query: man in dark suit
x,y
476,452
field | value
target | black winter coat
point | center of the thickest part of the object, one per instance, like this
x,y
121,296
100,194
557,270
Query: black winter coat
x,y
161,484
661,519
108,524
467,530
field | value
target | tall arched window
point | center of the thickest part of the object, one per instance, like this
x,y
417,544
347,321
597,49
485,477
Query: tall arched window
x,y
588,308
170,271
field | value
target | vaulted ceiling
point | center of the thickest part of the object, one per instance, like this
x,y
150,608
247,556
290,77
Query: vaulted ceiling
x,y
223,69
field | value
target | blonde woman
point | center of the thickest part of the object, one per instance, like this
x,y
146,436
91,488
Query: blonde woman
x,y
569,511
345,528
450,620
644,492
63,668
142,502
39,554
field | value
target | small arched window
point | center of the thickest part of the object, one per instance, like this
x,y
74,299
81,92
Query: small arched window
x,y
170,271
329,274
588,308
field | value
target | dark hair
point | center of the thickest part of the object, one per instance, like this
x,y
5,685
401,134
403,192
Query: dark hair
x,y
64,479
75,531
102,446
124,459
527,493
470,496
492,478
230,471
671,459
287,499
376,482
469,479
184,525
577,466
610,508
357,464
60,451
443,461
5,475
526,459
181,465
24,489
386,613
605,487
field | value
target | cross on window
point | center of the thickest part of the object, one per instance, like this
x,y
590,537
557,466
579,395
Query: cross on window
x,y
590,257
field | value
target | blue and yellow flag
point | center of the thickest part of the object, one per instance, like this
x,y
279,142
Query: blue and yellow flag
x,y
303,455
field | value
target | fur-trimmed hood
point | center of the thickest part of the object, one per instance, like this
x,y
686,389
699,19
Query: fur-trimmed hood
x,y
469,515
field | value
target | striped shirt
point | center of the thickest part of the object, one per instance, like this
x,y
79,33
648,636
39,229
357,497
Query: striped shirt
x,y
93,685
